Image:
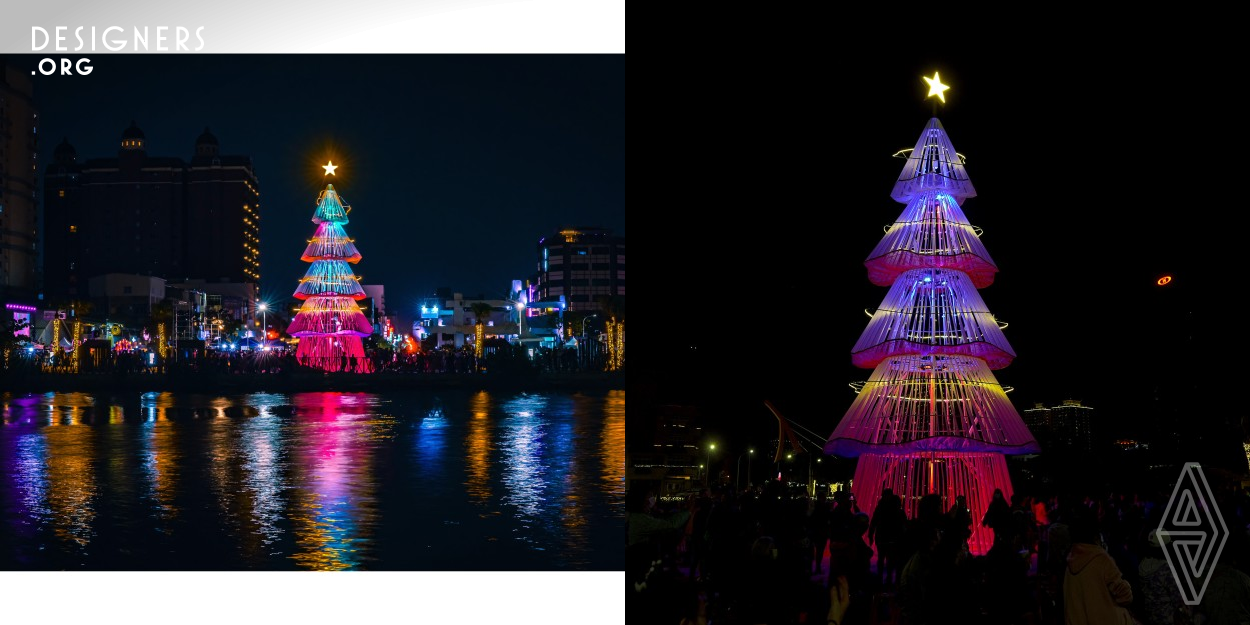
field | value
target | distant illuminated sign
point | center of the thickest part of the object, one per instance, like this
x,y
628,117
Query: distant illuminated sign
x,y
1164,280
22,318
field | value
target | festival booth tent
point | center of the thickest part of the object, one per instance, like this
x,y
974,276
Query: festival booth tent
x,y
45,336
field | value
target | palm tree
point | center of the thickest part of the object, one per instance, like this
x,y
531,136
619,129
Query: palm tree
x,y
481,311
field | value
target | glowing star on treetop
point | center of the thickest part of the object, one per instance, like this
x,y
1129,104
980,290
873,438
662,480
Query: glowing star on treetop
x,y
936,88
330,166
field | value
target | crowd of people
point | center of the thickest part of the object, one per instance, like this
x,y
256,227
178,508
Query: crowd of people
x,y
770,555
446,359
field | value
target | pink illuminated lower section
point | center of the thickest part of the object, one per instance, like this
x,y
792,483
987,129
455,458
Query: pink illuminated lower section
x,y
329,314
912,476
333,353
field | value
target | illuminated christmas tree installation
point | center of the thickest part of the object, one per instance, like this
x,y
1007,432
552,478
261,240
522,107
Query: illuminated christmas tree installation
x,y
330,324
932,418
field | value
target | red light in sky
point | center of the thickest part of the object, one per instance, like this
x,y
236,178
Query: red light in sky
x,y
1164,280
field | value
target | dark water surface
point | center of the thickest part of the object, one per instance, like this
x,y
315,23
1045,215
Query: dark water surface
x,y
421,480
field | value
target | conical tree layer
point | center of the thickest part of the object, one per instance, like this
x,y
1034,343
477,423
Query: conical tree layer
x,y
931,232
932,311
933,167
330,315
931,403
330,277
330,208
330,242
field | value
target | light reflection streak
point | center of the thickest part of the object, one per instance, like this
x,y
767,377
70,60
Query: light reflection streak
x,y
159,453
522,442
333,506
479,447
565,470
612,450
263,466
71,476
432,440
24,497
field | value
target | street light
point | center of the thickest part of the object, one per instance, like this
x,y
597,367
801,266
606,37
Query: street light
x,y
707,477
584,325
520,319
264,316
750,453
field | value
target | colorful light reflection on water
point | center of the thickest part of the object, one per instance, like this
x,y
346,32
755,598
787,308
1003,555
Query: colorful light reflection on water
x,y
322,481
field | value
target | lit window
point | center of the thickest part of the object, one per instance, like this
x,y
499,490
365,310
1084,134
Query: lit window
x,y
73,228
60,193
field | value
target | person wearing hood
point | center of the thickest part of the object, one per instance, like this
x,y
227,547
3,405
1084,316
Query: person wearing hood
x,y
1094,591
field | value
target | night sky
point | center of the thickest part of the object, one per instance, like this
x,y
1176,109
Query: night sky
x,y
454,166
1095,176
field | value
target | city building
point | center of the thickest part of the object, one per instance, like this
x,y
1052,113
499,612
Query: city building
x,y
452,321
1066,427
374,305
582,265
149,215
18,148
123,297
671,466
225,301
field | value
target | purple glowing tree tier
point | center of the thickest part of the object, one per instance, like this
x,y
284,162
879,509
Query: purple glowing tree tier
x,y
932,311
932,419
935,403
329,324
933,167
931,232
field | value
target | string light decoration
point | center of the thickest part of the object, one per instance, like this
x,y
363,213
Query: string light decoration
x,y
932,418
162,346
330,324
77,336
615,335
479,339
56,343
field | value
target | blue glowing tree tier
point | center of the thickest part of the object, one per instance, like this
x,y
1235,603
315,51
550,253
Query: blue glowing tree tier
x,y
330,324
932,418
329,278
